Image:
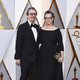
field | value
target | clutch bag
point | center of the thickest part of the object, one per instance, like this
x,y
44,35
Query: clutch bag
x,y
57,55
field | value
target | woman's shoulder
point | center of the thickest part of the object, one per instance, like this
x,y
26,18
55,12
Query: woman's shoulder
x,y
56,28
53,29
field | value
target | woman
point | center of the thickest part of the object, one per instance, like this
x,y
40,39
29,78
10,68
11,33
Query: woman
x,y
50,38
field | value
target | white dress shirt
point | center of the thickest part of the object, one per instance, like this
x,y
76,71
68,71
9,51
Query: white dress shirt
x,y
34,31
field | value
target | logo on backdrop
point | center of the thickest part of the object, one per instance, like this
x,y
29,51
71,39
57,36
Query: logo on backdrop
x,y
77,35
1,76
75,74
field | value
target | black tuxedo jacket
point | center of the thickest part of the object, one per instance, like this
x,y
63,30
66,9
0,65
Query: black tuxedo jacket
x,y
26,47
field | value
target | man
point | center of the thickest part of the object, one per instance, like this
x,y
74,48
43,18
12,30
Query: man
x,y
26,45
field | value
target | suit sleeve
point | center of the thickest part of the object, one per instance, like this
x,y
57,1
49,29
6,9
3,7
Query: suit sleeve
x,y
60,41
18,46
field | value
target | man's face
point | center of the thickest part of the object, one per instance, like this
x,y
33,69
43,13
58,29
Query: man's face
x,y
32,15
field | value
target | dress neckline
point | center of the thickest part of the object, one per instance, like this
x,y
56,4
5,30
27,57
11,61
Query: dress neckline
x,y
49,30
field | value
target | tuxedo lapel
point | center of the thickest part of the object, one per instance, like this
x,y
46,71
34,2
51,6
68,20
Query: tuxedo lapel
x,y
30,31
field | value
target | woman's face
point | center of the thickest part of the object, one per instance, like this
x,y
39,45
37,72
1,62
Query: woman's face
x,y
48,19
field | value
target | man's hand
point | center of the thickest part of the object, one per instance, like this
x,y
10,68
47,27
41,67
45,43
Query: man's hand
x,y
18,61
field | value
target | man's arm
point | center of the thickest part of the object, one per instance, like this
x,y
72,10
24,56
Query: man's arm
x,y
18,46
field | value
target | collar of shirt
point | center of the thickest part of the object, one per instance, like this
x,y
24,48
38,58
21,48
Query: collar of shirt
x,y
30,23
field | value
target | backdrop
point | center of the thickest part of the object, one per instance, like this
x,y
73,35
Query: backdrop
x,y
67,18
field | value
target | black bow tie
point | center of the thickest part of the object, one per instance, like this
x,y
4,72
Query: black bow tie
x,y
32,25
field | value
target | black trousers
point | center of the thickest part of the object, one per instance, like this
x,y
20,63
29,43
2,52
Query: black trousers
x,y
28,71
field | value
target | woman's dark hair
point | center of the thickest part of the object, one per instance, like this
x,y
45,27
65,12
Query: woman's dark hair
x,y
49,12
31,8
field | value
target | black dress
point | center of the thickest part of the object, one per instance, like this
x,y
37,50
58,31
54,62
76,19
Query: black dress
x,y
49,67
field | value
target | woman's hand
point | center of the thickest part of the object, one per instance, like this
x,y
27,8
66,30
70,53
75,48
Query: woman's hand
x,y
61,58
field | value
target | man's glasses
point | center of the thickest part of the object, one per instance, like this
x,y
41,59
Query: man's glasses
x,y
33,14
48,18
